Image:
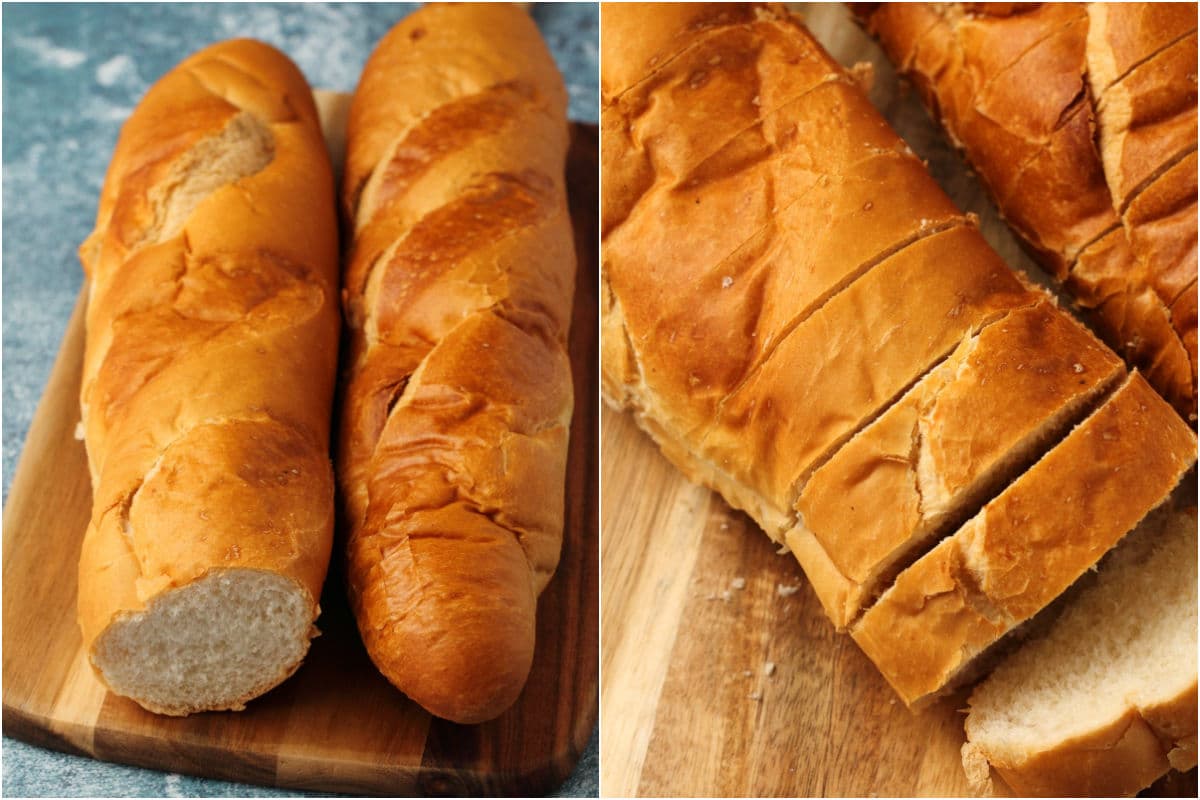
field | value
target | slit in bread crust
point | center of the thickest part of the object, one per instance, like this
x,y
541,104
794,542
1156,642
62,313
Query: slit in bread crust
x,y
1161,170
244,147
1148,57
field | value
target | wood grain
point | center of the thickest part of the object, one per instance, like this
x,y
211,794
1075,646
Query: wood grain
x,y
336,725
688,706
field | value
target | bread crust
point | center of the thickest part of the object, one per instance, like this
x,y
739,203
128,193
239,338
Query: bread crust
x,y
457,396
1029,544
211,341
726,307
1118,756
1115,106
890,490
1117,760
752,361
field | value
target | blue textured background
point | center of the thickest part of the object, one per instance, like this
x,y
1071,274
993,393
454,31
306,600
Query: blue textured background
x,y
72,74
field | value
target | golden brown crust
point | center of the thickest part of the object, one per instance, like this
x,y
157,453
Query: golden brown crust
x,y
1028,544
1144,722
212,337
727,307
1116,760
892,488
633,49
457,396
1115,106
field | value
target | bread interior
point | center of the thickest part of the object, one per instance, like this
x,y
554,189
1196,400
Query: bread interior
x,y
209,645
1125,638
242,148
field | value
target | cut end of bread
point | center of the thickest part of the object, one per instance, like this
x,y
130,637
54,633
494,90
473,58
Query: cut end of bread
x,y
1104,702
211,645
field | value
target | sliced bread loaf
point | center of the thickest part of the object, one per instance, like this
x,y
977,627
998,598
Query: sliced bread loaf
x,y
1027,545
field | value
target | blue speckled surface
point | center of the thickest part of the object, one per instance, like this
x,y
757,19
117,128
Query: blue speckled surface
x,y
72,74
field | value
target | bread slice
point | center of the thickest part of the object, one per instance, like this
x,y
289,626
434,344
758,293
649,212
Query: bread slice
x,y
1105,701
902,318
888,493
1028,544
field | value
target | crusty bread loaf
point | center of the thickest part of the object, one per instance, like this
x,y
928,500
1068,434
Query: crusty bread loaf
x,y
457,393
212,331
785,292
1070,113
1028,544
905,478
1105,701
738,320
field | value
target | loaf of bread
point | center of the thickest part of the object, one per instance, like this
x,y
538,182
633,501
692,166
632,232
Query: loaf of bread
x,y
802,320
784,243
1105,701
1081,121
457,391
212,338
1028,544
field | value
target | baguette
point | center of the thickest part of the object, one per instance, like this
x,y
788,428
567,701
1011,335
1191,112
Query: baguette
x,y
212,331
1112,119
457,394
1028,544
1105,701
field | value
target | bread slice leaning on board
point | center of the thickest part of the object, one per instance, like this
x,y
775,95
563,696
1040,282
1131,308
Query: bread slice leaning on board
x,y
1081,120
802,320
1104,702
457,389
212,338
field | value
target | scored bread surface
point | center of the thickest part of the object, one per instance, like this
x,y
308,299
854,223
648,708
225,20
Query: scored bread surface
x,y
729,308
207,386
457,389
1071,113
794,312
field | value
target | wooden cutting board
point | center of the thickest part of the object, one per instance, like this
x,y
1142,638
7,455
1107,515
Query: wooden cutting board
x,y
337,725
721,674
